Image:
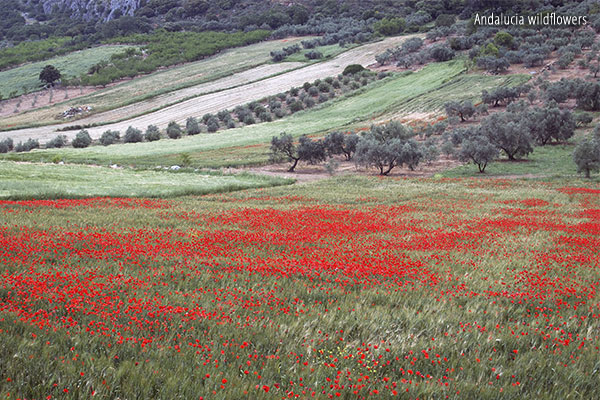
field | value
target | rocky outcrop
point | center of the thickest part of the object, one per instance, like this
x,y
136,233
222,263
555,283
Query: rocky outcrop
x,y
93,9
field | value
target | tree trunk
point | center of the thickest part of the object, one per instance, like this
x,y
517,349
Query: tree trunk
x,y
481,167
511,156
291,169
587,173
392,165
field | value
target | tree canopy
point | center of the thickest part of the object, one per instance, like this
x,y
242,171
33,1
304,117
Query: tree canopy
x,y
50,74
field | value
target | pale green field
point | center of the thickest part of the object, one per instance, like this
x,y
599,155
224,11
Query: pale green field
x,y
43,181
70,65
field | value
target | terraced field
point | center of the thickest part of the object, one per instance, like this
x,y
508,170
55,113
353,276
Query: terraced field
x,y
430,86
463,87
165,87
224,99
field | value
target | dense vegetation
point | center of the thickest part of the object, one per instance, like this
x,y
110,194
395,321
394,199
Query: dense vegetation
x,y
62,29
161,49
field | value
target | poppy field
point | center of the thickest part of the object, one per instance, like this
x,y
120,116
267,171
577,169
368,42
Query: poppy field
x,y
352,287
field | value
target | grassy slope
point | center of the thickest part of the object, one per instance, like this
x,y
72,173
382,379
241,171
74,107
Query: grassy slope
x,y
143,87
464,87
43,181
70,65
246,145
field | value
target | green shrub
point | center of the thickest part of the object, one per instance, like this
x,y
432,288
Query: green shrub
x,y
109,137
192,126
279,113
152,133
212,125
249,119
265,117
174,130
206,117
324,87
6,145
224,115
353,69
133,135
30,144
313,54
58,142
82,139
296,106
309,102
390,26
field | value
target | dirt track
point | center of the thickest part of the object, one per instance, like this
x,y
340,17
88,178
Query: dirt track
x,y
211,103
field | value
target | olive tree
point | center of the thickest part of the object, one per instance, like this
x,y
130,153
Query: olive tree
x,y
192,126
174,130
464,110
82,139
478,149
49,75
550,123
508,132
308,150
340,143
388,146
587,154
133,135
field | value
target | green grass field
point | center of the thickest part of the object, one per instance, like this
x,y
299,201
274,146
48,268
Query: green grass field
x,y
545,162
70,66
245,146
553,161
49,181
